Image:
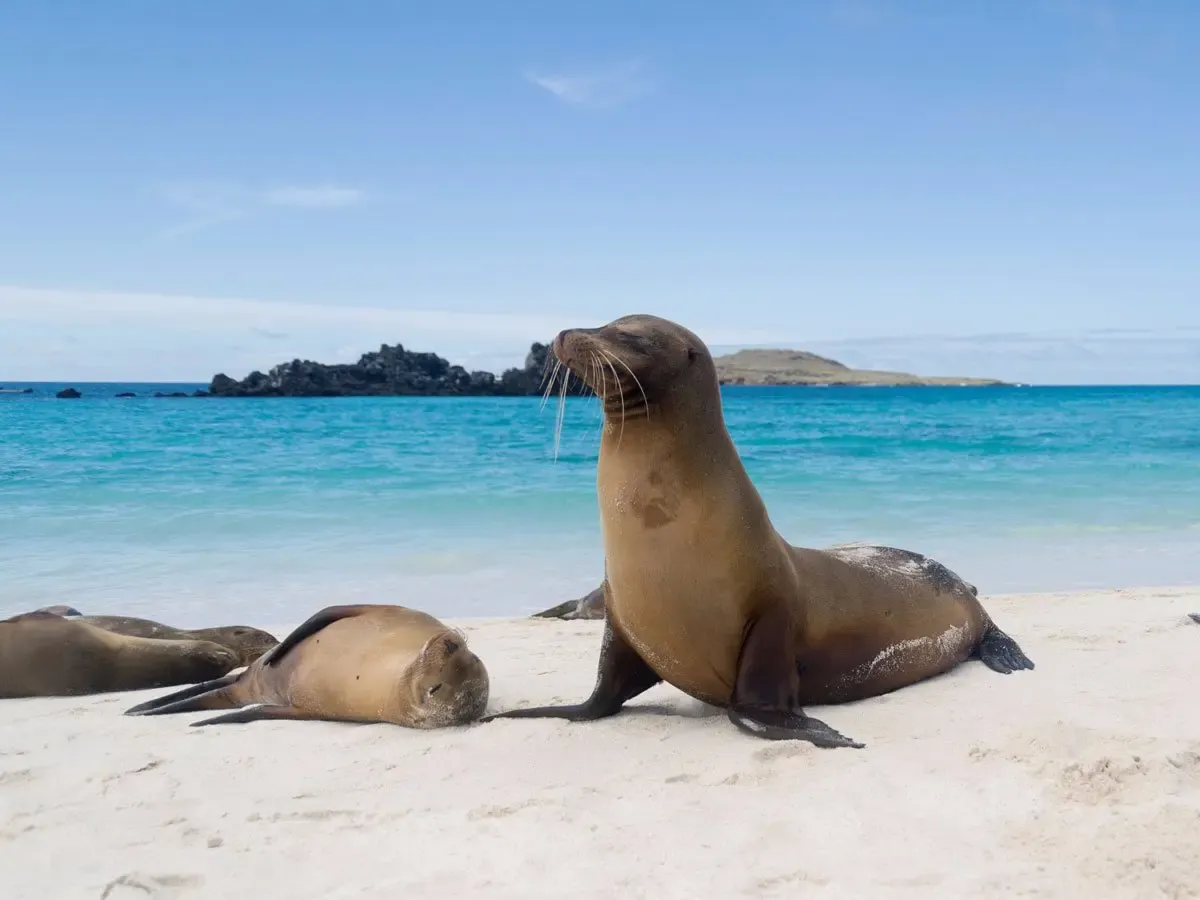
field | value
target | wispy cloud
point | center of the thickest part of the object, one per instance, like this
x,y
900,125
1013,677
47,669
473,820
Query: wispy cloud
x,y
605,87
122,336
206,204
326,196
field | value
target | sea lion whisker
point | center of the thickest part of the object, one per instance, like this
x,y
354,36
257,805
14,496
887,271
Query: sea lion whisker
x,y
550,384
645,399
562,411
621,397
594,360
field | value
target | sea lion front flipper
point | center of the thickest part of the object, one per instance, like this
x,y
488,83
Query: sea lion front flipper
x,y
260,712
1195,617
307,629
621,675
765,697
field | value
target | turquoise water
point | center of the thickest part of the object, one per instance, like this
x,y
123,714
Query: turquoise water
x,y
199,510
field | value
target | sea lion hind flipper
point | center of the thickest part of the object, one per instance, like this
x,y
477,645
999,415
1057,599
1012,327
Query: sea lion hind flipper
x,y
764,701
1195,617
307,629
621,675
1001,653
206,695
265,711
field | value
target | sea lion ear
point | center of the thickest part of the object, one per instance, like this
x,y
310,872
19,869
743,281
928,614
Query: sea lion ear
x,y
440,647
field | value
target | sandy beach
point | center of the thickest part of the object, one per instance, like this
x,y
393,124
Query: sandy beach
x,y
1080,779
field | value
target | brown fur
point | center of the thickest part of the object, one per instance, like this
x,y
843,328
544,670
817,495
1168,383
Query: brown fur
x,y
45,655
248,643
352,663
704,593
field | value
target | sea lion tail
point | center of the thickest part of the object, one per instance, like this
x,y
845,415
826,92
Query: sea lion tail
x,y
1000,653
215,694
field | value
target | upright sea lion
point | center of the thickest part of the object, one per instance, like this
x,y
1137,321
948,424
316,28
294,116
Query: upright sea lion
x,y
248,643
350,664
700,589
44,655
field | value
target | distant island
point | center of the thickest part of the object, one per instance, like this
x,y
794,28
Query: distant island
x,y
796,367
394,371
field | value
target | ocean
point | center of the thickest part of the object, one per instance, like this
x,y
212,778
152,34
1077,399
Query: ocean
x,y
200,511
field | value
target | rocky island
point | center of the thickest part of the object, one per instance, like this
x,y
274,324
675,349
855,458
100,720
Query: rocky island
x,y
394,371
796,367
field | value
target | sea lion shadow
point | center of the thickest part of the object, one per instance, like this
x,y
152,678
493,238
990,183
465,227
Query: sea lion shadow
x,y
693,710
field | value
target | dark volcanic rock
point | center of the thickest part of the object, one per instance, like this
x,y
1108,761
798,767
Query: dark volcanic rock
x,y
126,394
68,394
391,371
160,394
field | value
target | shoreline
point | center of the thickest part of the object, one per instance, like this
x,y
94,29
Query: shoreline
x,y
1080,778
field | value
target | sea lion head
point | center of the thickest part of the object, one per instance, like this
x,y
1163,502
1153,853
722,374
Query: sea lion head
x,y
198,660
248,643
448,684
640,363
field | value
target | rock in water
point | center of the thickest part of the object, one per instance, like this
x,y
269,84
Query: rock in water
x,y
391,371
68,394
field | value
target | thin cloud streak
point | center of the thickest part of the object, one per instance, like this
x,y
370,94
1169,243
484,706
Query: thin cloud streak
x,y
606,87
207,204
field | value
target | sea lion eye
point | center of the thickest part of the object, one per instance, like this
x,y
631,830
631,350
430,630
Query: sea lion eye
x,y
433,690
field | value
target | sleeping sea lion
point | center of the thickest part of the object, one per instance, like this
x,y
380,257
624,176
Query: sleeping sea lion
x,y
350,664
45,655
248,643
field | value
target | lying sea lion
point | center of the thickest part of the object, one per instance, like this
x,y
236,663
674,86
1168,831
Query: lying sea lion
x,y
248,643
589,606
350,664
45,655
702,592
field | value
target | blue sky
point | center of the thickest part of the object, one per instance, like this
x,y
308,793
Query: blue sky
x,y
223,185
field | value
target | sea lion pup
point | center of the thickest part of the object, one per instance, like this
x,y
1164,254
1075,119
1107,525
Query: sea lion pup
x,y
703,593
368,663
248,643
45,655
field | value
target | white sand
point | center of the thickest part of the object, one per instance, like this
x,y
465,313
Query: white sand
x,y
1080,779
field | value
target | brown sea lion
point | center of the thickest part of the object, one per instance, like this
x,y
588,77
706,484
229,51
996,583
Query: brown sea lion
x,y
350,664
702,592
248,643
45,655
